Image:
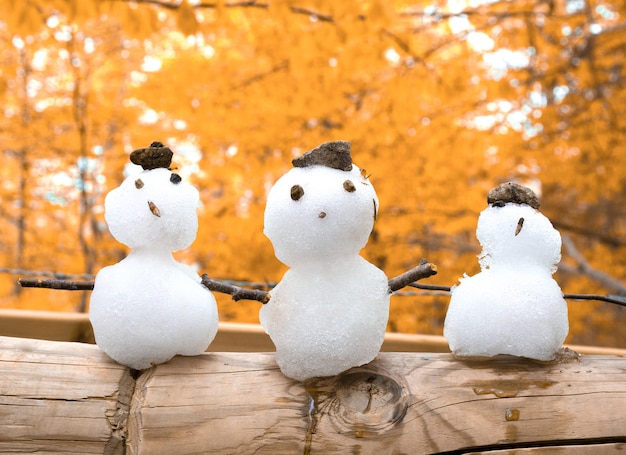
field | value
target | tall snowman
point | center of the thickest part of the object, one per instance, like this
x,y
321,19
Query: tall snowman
x,y
513,306
148,308
329,312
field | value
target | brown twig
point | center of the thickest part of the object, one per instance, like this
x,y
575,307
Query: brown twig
x,y
236,292
603,298
409,278
65,285
423,270
430,287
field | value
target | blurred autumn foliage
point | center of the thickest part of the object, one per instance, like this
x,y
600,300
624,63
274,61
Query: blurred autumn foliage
x,y
442,101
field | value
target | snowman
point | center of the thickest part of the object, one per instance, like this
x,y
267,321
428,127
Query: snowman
x,y
329,312
148,308
513,306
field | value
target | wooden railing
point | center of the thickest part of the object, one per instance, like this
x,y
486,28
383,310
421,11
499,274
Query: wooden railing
x,y
69,397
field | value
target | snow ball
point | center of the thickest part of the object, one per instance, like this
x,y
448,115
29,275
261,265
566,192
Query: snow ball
x,y
514,312
148,308
517,234
153,209
319,213
325,319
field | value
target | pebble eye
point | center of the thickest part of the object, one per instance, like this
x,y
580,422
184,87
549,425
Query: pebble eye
x,y
175,178
138,184
349,186
297,192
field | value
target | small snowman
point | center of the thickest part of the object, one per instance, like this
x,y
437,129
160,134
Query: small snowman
x,y
329,312
148,308
513,306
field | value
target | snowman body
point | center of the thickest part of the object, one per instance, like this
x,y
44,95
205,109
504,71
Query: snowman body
x,y
329,311
513,306
148,307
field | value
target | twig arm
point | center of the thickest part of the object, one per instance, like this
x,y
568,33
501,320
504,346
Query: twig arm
x,y
617,300
56,284
409,278
236,292
430,287
603,298
423,270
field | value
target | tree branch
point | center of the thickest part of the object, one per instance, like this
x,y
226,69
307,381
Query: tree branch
x,y
423,270
409,278
611,240
430,287
66,285
617,300
582,266
236,292
241,4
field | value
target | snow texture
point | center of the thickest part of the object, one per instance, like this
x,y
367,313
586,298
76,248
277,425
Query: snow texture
x,y
513,306
330,310
148,308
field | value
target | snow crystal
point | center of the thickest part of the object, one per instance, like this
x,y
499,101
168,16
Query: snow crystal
x,y
148,307
513,306
329,312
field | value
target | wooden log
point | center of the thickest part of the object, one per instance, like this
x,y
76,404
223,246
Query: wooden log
x,y
59,397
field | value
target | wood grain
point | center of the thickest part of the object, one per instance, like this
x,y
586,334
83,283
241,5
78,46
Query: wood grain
x,y
59,397
56,397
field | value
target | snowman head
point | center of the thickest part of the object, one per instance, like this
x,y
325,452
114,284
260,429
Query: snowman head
x,y
154,209
513,232
320,211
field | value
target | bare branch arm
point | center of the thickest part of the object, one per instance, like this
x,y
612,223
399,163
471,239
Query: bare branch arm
x,y
236,292
423,270
603,298
56,284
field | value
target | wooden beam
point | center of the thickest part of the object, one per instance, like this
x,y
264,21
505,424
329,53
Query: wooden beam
x,y
59,397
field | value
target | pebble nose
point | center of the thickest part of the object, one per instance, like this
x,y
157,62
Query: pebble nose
x,y
154,209
322,214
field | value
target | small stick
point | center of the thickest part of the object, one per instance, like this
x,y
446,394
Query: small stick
x,y
56,284
602,298
430,287
236,292
423,270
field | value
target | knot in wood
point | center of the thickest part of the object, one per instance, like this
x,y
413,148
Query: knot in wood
x,y
155,156
512,192
368,401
